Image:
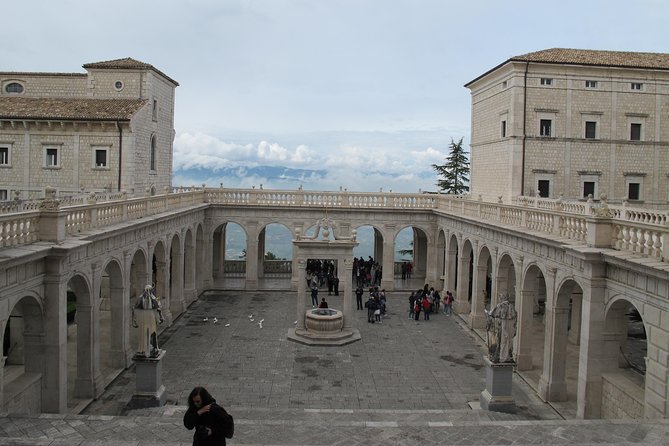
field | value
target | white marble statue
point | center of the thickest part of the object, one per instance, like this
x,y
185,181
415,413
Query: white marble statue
x,y
501,329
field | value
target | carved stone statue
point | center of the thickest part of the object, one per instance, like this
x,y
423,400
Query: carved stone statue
x,y
145,313
501,329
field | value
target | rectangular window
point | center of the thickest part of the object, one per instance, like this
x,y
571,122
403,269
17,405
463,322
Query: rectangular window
x,y
633,191
545,127
52,159
546,81
504,84
590,129
155,110
636,86
590,84
544,187
4,155
503,129
100,157
4,195
588,188
635,131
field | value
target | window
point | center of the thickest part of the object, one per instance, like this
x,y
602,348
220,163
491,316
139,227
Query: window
x,y
544,187
4,195
590,84
588,188
155,110
100,158
546,81
633,191
4,156
14,87
52,158
118,85
635,131
590,129
152,155
503,129
636,86
504,84
545,127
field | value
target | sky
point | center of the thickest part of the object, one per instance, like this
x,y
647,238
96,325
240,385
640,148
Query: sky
x,y
325,94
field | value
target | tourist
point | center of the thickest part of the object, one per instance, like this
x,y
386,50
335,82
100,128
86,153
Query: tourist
x,y
371,307
412,303
323,304
436,298
211,422
416,309
336,285
448,302
426,308
314,295
358,297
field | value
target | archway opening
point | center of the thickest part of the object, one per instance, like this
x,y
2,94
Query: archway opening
x,y
410,246
530,336
138,280
82,363
23,348
229,256
368,256
113,337
276,248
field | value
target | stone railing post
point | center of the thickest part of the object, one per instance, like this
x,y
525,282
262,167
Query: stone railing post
x,y
51,220
91,201
599,231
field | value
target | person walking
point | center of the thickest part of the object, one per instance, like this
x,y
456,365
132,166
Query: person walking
x,y
358,297
371,307
211,422
426,308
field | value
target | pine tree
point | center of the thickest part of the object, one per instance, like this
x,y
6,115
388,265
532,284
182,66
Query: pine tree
x,y
455,173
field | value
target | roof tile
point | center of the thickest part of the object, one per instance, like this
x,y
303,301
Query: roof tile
x,y
69,109
624,59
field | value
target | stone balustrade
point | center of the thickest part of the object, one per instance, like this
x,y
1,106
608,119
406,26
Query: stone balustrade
x,y
623,227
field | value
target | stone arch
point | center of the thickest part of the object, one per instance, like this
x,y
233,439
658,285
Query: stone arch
x,y
189,267
83,342
452,264
277,265
200,258
112,307
560,365
176,259
441,260
419,253
531,328
223,266
505,279
623,361
23,348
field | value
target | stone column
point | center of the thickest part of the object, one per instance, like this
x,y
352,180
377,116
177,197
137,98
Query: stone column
x,y
431,275
451,267
177,305
461,304
575,324
477,317
206,267
252,256
189,273
552,385
3,359
120,323
388,265
88,383
301,289
54,383
346,285
524,328
261,254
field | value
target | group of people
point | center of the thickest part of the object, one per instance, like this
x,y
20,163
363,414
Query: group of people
x,y
406,269
428,300
375,305
366,272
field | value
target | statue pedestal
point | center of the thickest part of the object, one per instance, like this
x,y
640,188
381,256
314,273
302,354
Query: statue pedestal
x,y
149,388
497,395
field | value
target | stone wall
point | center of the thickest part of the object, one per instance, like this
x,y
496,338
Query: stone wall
x,y
621,397
24,395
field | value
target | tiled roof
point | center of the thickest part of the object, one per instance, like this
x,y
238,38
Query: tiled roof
x,y
69,109
127,63
28,73
601,58
625,59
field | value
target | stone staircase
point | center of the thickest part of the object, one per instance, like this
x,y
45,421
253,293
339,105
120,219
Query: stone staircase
x,y
264,426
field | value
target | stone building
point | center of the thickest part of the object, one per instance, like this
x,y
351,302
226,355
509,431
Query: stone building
x,y
567,122
109,129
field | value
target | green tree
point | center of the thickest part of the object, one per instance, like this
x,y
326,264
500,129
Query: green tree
x,y
455,173
271,256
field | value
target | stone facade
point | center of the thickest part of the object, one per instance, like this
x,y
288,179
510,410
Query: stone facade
x,y
561,125
99,145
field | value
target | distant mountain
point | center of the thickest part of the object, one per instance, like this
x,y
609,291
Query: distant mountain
x,y
280,173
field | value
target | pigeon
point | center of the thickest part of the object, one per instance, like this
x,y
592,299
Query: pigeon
x,y
215,321
250,316
295,323
252,320
262,320
206,319
227,325
260,324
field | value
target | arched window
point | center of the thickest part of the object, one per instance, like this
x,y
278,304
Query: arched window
x,y
14,87
152,156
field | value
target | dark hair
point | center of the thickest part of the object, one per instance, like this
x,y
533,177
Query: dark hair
x,y
202,392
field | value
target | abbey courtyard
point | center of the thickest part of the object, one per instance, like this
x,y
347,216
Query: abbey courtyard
x,y
566,218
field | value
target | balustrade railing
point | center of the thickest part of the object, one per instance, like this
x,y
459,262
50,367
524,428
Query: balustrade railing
x,y
633,229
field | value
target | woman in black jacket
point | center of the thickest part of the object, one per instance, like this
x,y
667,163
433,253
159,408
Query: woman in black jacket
x,y
211,422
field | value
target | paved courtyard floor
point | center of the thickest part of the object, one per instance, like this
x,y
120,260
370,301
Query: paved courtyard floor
x,y
404,383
